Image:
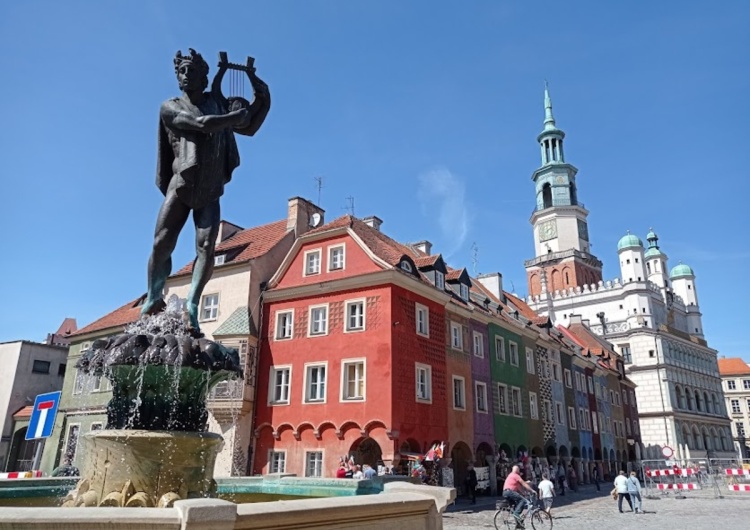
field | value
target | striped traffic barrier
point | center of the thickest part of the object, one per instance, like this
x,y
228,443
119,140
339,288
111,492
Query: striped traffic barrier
x,y
738,487
671,472
21,474
689,486
737,472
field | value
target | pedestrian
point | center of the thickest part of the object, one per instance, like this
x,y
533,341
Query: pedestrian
x,y
546,492
595,476
561,478
572,479
621,488
358,475
341,471
368,471
634,490
471,483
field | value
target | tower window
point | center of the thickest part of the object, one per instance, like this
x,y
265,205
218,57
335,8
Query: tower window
x,y
573,193
639,278
627,261
547,195
648,266
689,287
567,279
620,306
636,260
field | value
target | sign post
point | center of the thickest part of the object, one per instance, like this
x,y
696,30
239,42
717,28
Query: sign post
x,y
42,421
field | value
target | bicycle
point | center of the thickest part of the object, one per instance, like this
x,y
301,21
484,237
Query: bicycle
x,y
504,518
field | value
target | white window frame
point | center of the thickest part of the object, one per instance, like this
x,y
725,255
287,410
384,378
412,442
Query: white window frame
x,y
461,392
67,440
212,309
344,396
310,310
220,259
731,385
549,413
530,361
96,382
349,303
500,353
556,375
308,398
426,369
280,313
513,351
582,419
318,464
457,345
594,422
79,383
481,388
478,344
502,390
99,423
422,310
515,392
272,385
625,397
617,398
330,260
590,384
559,413
463,290
572,417
735,409
440,280
273,460
568,378
306,262
533,406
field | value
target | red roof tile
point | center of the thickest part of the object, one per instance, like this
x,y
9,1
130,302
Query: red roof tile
x,y
121,316
590,340
524,309
454,274
257,241
426,261
24,412
733,366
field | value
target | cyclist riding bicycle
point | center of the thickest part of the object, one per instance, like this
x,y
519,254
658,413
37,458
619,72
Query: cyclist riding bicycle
x,y
512,488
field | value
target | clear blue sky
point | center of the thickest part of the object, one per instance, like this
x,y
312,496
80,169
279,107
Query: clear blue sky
x,y
425,112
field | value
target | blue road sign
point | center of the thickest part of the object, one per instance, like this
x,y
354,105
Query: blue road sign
x,y
43,416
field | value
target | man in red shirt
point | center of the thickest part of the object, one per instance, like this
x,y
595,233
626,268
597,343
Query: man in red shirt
x,y
512,488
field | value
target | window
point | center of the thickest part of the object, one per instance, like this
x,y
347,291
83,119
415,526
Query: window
x,y
61,369
280,378
746,384
319,320
568,378
736,406
312,262
40,367
627,428
315,383
355,315
440,280
336,258
591,385
533,406
284,324
611,397
530,360
731,385
625,397
220,259
502,399
277,461
71,445
459,393
480,396
314,464
617,399
556,371
627,357
353,381
210,305
500,349
96,382
559,413
478,345
594,422
516,401
457,338
79,383
406,266
740,428
582,419
464,290
97,426
572,417
423,321
513,353
423,382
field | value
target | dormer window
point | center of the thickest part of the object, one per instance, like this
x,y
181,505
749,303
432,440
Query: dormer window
x,y
406,266
440,280
219,260
464,290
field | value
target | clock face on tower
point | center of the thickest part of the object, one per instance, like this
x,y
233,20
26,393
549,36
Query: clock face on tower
x,y
548,230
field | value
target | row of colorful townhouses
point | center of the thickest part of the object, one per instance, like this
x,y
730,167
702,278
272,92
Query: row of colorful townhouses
x,y
361,347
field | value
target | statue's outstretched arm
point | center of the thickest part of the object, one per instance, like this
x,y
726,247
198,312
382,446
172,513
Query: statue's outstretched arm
x,y
178,119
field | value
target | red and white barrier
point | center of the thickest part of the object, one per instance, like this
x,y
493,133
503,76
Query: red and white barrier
x,y
738,487
736,472
21,474
678,486
670,472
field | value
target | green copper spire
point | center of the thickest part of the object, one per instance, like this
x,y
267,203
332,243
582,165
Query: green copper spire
x,y
549,119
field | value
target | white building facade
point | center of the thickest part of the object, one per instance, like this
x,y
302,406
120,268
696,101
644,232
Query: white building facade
x,y
651,314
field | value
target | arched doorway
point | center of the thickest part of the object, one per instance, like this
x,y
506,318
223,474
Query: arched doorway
x,y
366,451
21,456
483,451
460,458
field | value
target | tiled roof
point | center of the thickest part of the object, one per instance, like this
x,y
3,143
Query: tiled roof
x,y
733,366
238,323
24,412
524,309
121,316
256,242
589,340
454,274
426,261
68,326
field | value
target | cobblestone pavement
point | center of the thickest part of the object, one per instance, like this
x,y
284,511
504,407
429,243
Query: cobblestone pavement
x,y
589,509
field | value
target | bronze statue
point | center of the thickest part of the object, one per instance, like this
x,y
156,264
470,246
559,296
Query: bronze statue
x,y
196,156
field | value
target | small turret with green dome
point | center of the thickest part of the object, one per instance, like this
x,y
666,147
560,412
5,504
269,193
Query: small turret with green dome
x,y
653,246
628,241
681,271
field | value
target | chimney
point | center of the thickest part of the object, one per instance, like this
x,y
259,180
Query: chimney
x,y
374,221
226,230
301,216
493,282
423,246
575,319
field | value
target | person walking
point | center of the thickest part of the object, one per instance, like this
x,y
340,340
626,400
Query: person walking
x,y
572,479
546,492
634,490
595,476
621,486
561,478
471,483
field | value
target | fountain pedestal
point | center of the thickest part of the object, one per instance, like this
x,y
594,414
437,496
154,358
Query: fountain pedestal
x,y
145,468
